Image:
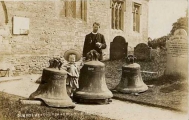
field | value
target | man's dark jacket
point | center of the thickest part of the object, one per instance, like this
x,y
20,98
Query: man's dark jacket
x,y
89,44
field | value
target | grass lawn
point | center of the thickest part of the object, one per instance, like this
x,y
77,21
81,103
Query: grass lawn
x,y
11,109
169,92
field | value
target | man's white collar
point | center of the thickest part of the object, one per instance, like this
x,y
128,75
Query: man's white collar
x,y
94,33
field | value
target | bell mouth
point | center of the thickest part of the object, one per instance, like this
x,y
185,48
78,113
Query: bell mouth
x,y
132,89
91,100
93,95
62,103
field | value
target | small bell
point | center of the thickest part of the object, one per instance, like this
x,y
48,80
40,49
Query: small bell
x,y
131,80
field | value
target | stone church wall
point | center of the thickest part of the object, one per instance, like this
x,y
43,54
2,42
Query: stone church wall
x,y
51,33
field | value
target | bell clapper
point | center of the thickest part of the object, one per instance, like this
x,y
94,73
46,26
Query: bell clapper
x,y
30,102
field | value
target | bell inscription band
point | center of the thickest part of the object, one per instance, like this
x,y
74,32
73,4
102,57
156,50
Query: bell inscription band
x,y
131,80
92,84
52,89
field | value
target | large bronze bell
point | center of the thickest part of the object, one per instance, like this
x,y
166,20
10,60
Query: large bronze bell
x,y
131,80
52,89
92,84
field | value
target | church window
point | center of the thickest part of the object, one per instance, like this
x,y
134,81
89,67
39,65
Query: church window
x,y
75,9
136,16
117,14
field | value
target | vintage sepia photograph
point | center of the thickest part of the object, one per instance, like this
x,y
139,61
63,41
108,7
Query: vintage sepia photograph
x,y
94,60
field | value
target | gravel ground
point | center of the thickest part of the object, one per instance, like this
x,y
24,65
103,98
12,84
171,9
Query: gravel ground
x,y
115,110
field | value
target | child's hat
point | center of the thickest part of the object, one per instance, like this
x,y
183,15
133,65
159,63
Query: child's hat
x,y
72,51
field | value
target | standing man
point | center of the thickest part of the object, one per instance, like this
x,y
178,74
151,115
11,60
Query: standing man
x,y
94,40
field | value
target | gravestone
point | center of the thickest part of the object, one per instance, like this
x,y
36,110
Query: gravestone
x,y
142,52
118,48
177,53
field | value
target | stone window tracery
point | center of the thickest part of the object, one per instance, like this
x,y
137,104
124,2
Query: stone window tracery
x,y
70,10
136,16
75,9
84,10
117,14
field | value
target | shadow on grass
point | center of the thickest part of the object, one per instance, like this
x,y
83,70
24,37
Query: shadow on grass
x,y
168,91
11,109
167,79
